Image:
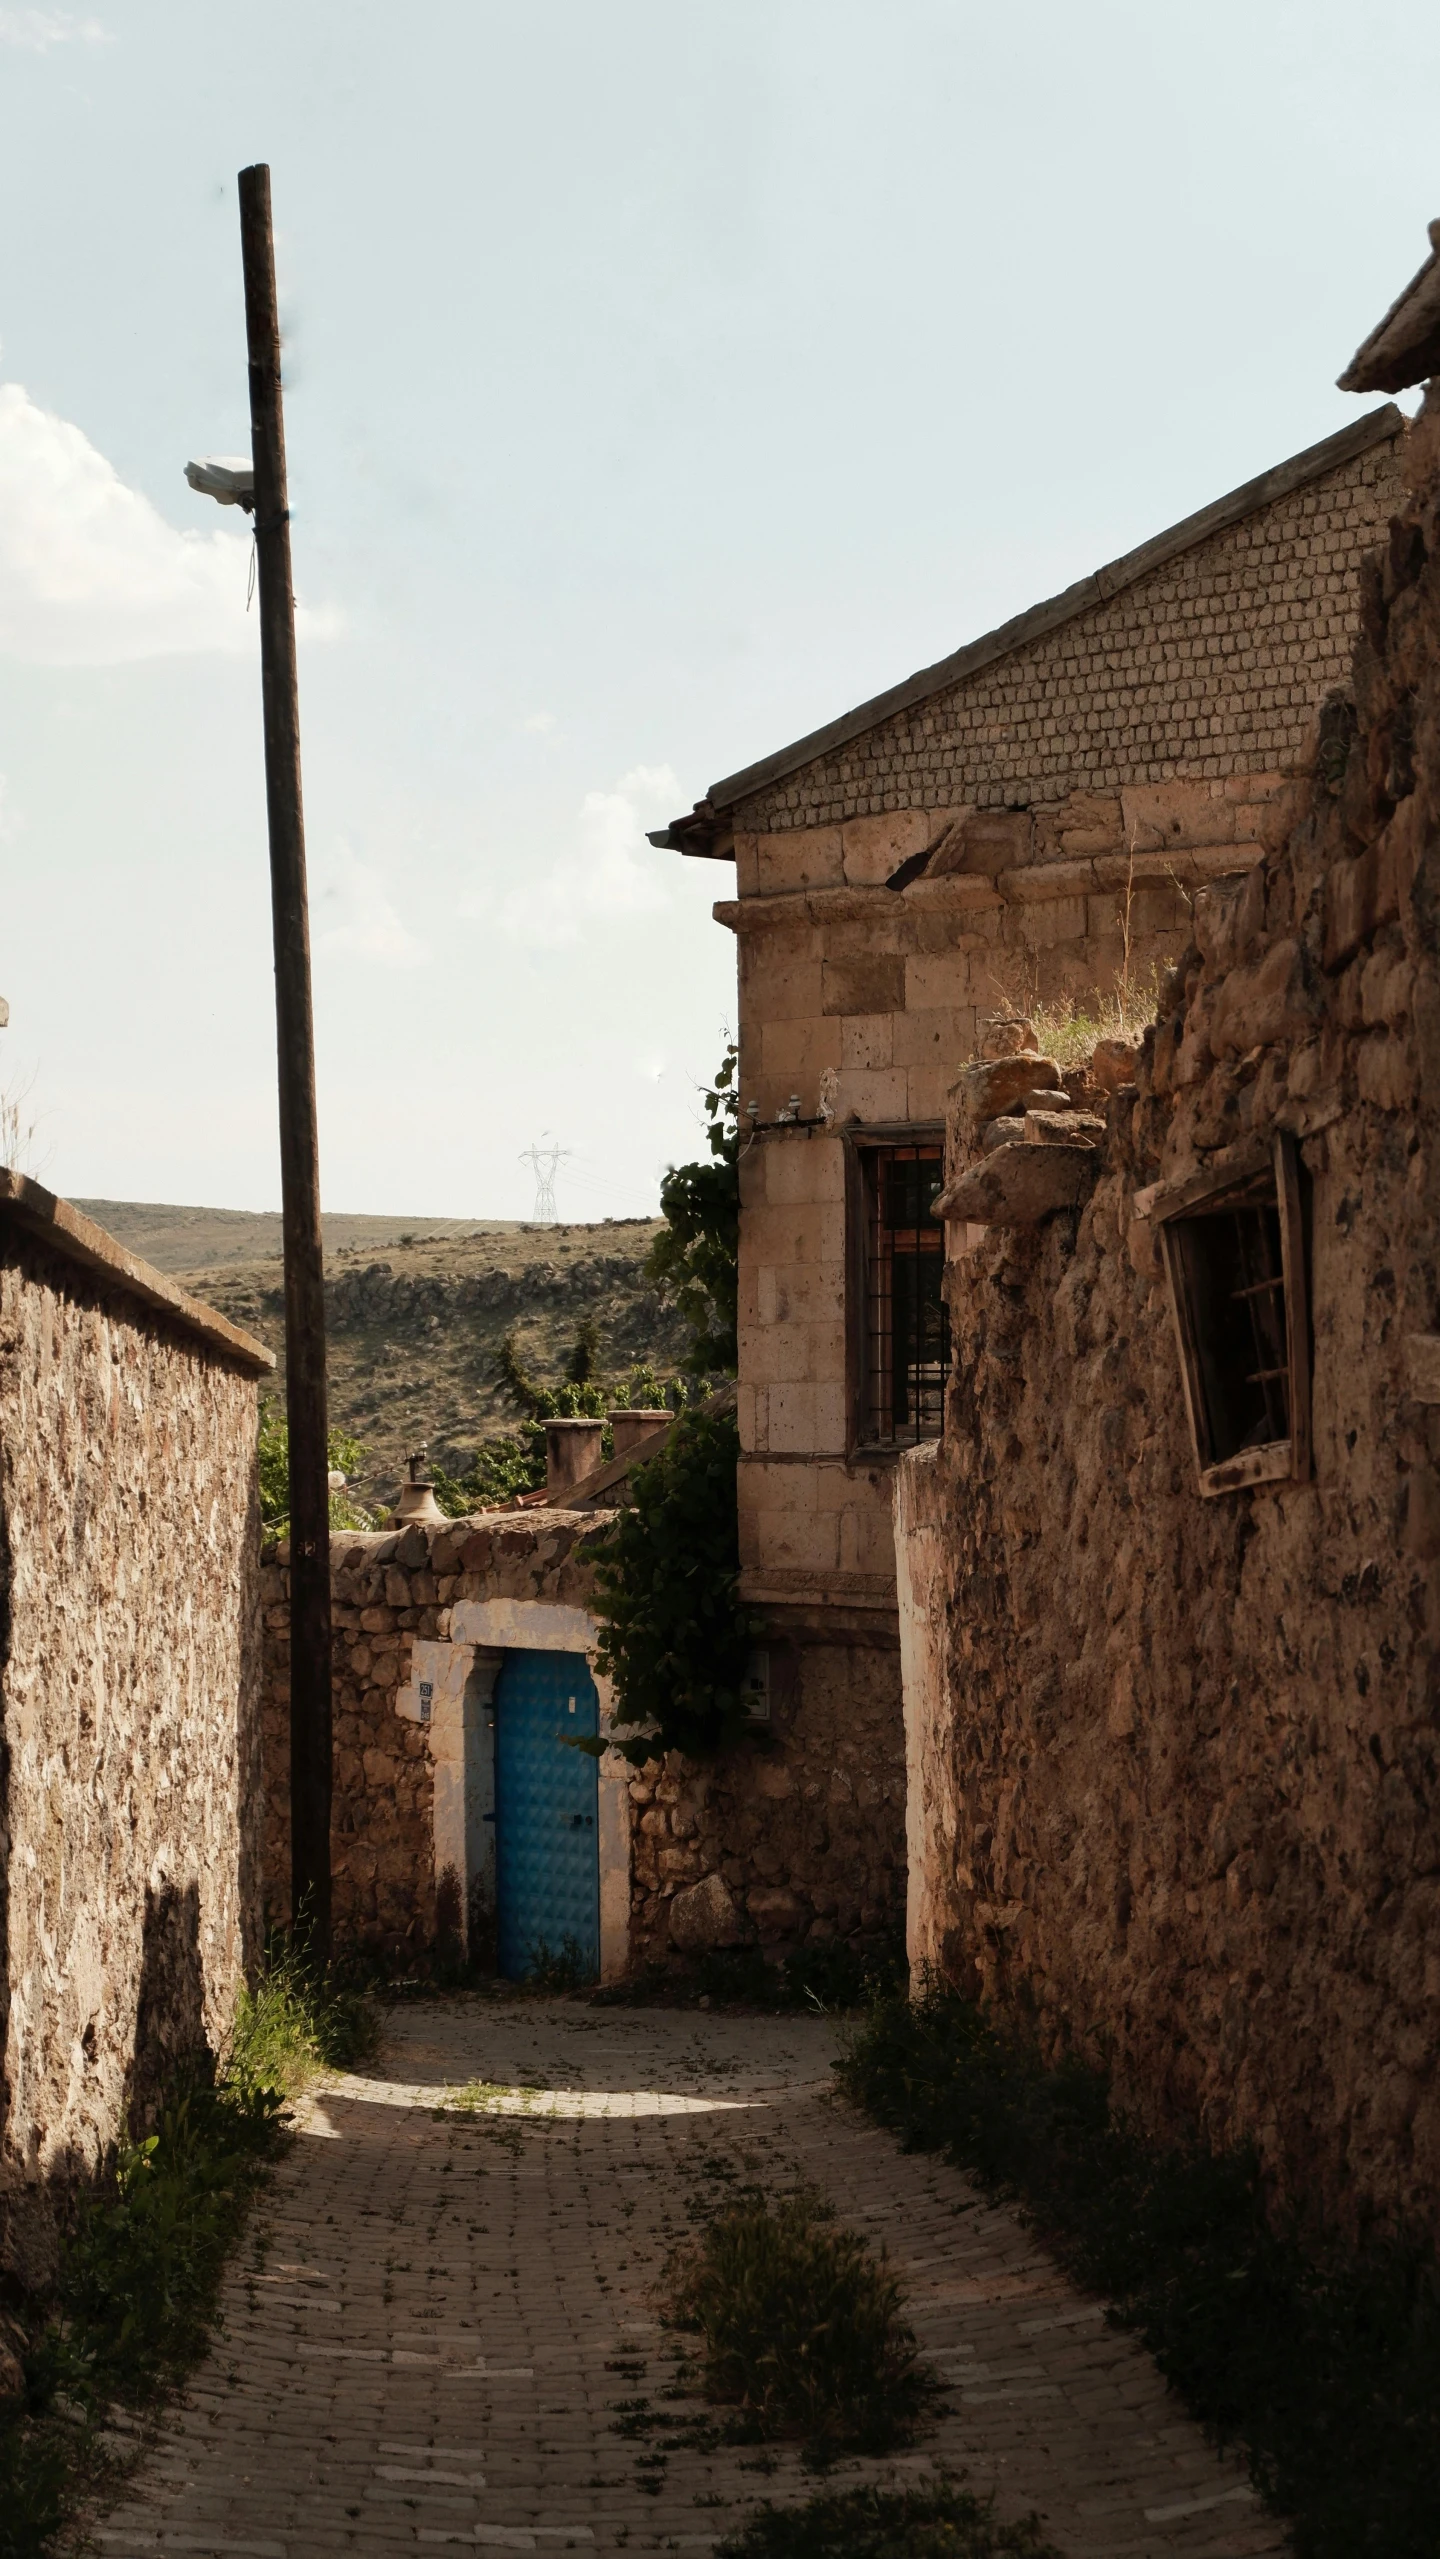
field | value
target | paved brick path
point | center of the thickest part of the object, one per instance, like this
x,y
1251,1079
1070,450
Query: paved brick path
x,y
449,2287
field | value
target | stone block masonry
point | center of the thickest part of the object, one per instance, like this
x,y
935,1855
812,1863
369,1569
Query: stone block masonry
x,y
388,1592
1173,1777
129,1565
803,1827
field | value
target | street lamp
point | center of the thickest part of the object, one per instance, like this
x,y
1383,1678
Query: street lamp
x,y
230,482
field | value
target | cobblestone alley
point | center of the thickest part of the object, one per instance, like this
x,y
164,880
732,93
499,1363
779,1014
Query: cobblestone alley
x,y
452,2283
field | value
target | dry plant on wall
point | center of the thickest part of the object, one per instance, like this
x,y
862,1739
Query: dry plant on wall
x,y
19,1130
1069,1027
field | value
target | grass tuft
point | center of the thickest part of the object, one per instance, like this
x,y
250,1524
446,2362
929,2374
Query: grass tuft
x,y
1069,1030
802,2325
556,1972
142,2261
943,2522
1322,2359
296,2022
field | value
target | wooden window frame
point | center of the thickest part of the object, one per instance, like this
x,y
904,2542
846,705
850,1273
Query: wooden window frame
x,y
861,1143
1287,1460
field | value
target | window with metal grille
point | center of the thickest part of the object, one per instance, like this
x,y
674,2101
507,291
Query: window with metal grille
x,y
1235,1260
907,1325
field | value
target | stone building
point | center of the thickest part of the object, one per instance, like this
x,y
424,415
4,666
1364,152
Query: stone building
x,y
1169,1582
424,1618
129,1560
1027,822
464,1655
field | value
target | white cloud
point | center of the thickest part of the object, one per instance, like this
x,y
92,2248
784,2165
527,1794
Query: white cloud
x,y
609,873
539,723
90,572
358,918
37,30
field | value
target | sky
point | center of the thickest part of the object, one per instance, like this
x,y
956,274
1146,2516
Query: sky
x,y
662,378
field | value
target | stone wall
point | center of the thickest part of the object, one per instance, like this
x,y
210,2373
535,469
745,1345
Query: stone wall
x,y
1173,1760
387,1591
1033,834
862,999
129,1542
863,1002
804,1827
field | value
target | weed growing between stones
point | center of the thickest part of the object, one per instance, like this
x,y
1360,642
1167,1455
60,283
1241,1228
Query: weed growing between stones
x,y
942,2522
294,2023
1323,2360
141,2263
1070,1032
802,2326
556,1971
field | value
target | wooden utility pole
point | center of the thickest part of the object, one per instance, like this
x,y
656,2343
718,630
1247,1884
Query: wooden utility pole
x,y
299,1146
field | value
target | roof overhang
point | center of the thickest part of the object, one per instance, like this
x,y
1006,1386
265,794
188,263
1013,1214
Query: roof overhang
x,y
703,832
1405,348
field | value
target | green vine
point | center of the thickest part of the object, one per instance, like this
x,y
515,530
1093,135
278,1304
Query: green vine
x,y
346,1457
674,1637
696,1262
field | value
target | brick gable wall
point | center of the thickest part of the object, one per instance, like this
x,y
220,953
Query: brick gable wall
x,y
1209,667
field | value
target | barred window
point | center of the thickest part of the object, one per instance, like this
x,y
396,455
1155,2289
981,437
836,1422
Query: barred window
x,y
907,1325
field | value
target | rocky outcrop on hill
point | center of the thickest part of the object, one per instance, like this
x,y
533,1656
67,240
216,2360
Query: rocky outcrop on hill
x,y
415,1334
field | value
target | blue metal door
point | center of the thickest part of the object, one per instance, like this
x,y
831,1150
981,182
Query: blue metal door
x,y
546,1813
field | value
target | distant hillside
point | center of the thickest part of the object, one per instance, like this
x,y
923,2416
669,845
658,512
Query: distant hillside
x,y
199,1239
413,1337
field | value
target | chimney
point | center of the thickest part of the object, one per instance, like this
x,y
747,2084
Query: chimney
x,y
572,1450
636,1422
417,1495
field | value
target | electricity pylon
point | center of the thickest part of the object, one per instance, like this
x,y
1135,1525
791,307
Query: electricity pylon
x,y
545,1160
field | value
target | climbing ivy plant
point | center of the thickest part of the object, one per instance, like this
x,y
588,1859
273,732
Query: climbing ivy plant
x,y
696,1261
674,1636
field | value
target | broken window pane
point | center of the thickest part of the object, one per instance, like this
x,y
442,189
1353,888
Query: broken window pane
x,y
1232,1273
1236,1259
